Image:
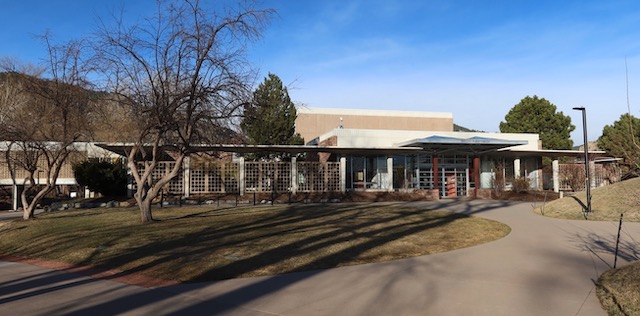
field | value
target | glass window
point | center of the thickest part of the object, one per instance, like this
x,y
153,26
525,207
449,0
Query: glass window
x,y
529,168
399,172
486,173
367,172
358,172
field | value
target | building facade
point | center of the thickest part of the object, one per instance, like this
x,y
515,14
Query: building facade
x,y
385,152
313,122
358,150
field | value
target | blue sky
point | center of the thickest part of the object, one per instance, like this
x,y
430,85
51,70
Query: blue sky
x,y
476,59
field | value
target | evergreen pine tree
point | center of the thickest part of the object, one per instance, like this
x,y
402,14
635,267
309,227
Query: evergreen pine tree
x,y
270,118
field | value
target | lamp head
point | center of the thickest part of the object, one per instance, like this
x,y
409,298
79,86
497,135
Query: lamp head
x,y
579,108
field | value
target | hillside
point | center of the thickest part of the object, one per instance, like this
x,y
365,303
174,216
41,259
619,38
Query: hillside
x,y
607,203
458,128
102,118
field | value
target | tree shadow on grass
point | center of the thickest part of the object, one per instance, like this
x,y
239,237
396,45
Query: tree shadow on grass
x,y
322,228
342,230
319,242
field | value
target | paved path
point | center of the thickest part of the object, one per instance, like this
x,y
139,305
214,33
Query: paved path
x,y
543,267
7,215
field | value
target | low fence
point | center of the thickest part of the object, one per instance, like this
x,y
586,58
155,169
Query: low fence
x,y
251,176
66,171
214,178
572,176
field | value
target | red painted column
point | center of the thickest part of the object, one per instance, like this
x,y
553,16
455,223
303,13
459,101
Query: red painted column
x,y
476,175
436,174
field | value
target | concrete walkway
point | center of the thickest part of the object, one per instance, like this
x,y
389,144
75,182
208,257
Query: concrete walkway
x,y
543,267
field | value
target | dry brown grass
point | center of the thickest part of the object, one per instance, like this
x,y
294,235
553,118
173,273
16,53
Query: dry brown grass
x,y
619,290
607,203
208,243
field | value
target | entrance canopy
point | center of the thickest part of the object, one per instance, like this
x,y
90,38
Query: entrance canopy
x,y
473,145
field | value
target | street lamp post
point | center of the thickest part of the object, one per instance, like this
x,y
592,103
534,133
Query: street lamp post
x,y
586,155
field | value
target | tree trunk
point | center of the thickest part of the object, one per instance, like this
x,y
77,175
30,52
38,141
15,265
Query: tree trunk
x,y
28,209
145,210
28,212
144,196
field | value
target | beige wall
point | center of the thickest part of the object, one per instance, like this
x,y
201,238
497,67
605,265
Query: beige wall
x,y
66,176
312,123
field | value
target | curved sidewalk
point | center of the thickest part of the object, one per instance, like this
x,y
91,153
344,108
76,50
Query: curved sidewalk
x,y
543,267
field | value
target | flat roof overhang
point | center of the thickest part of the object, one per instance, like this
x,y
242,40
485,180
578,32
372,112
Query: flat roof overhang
x,y
123,149
474,145
552,153
433,145
294,149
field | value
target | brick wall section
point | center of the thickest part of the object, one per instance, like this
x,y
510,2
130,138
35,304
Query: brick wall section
x,y
331,141
312,125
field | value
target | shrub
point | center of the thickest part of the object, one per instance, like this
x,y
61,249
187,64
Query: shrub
x,y
520,185
573,175
497,179
106,178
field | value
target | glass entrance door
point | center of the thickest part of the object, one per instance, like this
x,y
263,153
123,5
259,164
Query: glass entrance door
x,y
454,176
453,182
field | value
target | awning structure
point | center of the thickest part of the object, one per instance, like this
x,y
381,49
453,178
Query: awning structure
x,y
552,153
293,149
123,149
473,145
434,145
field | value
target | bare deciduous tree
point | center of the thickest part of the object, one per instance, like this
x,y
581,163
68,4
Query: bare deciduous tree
x,y
574,176
498,181
42,117
184,77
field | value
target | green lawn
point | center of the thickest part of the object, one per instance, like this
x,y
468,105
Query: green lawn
x,y
207,243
